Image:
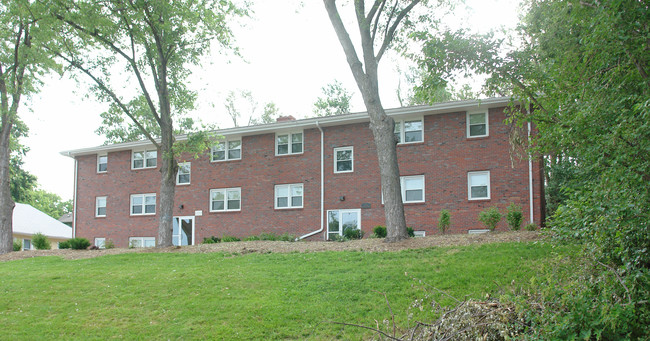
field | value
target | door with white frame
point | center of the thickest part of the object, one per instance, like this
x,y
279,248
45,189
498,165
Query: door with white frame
x,y
340,220
183,232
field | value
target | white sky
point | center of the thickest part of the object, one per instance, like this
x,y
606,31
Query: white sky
x,y
291,52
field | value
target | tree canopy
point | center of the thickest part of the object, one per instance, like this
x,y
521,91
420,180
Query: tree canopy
x,y
335,100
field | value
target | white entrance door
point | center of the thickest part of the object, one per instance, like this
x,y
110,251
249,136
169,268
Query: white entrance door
x,y
340,220
183,233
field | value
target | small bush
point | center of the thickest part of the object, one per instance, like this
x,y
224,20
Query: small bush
x,y
268,236
337,238
530,227
228,239
41,242
18,245
490,217
444,221
211,240
379,232
64,244
251,238
286,237
79,243
108,244
514,217
352,233
410,231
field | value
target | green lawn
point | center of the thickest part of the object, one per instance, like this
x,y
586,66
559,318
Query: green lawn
x,y
252,296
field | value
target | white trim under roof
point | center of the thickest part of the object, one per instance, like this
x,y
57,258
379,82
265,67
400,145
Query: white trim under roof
x,y
359,117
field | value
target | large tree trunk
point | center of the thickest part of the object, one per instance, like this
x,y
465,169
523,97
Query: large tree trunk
x,y
168,171
6,202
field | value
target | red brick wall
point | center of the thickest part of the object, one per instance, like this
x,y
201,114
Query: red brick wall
x,y
444,158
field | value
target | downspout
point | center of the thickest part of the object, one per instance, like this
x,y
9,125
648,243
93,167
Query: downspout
x,y
530,178
322,186
74,201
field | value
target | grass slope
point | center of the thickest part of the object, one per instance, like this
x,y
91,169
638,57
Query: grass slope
x,y
253,296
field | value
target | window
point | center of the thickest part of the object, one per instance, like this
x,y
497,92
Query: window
x,y
409,131
100,243
102,163
418,234
144,159
183,175
338,221
477,124
100,207
290,143
343,160
27,244
143,204
226,150
288,196
142,241
478,185
226,199
412,189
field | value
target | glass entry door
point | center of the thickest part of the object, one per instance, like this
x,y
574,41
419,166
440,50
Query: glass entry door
x,y
340,220
183,232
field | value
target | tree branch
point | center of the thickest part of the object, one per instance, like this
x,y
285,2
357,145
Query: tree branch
x,y
391,32
346,42
375,25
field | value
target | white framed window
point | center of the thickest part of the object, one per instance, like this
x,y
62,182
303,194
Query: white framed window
x,y
184,173
343,160
418,234
102,163
143,204
340,220
27,244
100,243
478,185
289,143
141,159
100,207
225,199
226,150
477,124
288,196
412,189
142,241
409,130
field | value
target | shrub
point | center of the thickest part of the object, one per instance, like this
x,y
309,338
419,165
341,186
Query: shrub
x,y
211,240
41,242
444,221
18,245
350,233
530,227
514,217
227,239
379,231
251,238
490,217
337,238
108,244
64,244
286,237
79,243
410,231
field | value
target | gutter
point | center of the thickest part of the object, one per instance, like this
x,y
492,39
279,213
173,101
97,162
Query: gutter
x,y
322,186
530,179
74,200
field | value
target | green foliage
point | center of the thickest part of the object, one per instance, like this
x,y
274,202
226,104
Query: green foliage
x,y
18,245
243,102
530,227
48,203
444,221
379,231
41,242
64,244
514,217
410,231
251,238
336,100
211,240
227,239
490,217
109,244
351,233
78,243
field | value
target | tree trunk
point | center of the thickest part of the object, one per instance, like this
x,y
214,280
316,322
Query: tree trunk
x,y
168,171
6,202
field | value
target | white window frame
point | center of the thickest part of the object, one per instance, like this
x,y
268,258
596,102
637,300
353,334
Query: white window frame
x,y
100,242
290,143
289,197
99,156
487,123
225,191
142,241
97,206
401,124
189,174
469,185
340,231
226,155
144,158
402,179
336,150
144,201
419,234
25,241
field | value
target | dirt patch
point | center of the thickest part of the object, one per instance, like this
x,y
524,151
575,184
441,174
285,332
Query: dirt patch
x,y
368,245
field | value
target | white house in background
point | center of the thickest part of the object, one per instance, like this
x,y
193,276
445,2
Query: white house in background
x,y
28,221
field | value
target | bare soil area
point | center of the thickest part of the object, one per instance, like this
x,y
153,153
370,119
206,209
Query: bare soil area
x,y
368,245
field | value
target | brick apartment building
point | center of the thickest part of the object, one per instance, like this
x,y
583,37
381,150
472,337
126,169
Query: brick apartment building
x,y
310,178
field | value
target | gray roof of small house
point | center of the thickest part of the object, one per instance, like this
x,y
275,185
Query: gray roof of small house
x,y
327,121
